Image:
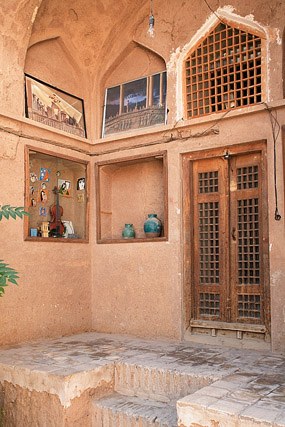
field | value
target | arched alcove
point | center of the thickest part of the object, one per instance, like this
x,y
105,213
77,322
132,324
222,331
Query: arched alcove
x,y
52,62
133,63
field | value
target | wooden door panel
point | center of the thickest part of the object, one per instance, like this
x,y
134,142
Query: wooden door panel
x,y
246,282
209,191
228,239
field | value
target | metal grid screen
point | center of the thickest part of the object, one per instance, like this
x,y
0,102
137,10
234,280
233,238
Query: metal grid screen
x,y
223,72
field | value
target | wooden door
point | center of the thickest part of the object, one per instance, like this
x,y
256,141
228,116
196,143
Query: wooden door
x,y
229,239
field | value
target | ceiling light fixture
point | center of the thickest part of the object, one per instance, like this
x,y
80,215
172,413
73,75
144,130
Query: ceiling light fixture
x,y
150,31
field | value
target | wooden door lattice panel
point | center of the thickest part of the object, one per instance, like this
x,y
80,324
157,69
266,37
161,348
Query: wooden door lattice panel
x,y
209,217
248,242
247,289
249,306
209,304
209,242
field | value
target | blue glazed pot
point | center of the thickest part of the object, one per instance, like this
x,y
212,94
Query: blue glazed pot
x,y
152,226
128,232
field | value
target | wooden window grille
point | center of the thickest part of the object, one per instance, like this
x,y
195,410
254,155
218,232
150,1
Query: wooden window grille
x,y
223,72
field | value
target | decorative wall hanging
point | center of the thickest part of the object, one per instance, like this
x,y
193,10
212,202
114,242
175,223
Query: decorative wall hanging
x,y
33,177
54,107
81,184
42,211
64,187
44,174
43,196
33,202
80,197
136,104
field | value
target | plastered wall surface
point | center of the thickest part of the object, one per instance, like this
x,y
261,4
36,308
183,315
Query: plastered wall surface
x,y
54,278
120,288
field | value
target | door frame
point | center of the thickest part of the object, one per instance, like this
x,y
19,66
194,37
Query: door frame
x,y
190,325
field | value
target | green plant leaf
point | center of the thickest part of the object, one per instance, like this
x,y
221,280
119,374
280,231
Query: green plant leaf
x,y
13,281
12,214
12,211
9,274
5,214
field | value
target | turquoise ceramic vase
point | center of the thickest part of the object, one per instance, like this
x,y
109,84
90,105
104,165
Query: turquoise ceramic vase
x,y
152,226
128,232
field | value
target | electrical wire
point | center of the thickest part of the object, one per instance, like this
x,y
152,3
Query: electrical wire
x,y
47,141
212,10
151,7
170,138
274,125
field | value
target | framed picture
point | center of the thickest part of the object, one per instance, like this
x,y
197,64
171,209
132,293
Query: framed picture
x,y
64,187
54,107
42,211
44,174
81,184
43,196
136,104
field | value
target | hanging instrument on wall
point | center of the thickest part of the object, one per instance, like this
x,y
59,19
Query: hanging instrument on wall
x,y
56,226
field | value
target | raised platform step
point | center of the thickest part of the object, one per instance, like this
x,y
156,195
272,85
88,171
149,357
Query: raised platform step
x,y
212,386
161,383
131,411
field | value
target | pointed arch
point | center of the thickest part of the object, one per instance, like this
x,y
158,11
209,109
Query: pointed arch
x,y
224,68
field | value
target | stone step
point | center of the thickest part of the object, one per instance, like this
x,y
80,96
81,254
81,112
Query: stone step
x,y
157,383
131,411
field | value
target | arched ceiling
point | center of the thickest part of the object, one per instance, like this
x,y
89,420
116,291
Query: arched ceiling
x,y
92,30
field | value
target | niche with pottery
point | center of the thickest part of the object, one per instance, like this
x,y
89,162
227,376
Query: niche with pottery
x,y
128,191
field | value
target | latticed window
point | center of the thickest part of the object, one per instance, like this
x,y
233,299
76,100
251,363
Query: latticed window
x,y
223,72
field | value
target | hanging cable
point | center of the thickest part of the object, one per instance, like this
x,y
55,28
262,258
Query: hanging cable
x,y
212,10
275,126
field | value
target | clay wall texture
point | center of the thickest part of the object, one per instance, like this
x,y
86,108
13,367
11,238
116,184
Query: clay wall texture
x,y
83,47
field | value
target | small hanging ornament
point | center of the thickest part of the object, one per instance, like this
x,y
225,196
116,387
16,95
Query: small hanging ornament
x,y
150,31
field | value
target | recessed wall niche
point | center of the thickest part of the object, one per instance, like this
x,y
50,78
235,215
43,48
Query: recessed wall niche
x,y
56,197
128,191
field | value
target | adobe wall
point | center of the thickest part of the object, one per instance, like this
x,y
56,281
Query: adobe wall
x,y
53,297
119,288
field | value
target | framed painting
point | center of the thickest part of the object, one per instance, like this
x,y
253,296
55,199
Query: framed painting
x,y
136,104
54,107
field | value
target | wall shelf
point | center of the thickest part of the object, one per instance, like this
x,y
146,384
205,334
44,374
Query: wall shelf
x,y
127,191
